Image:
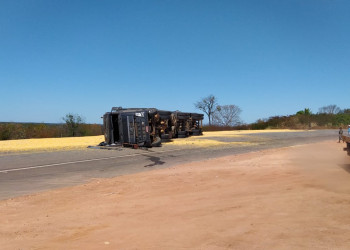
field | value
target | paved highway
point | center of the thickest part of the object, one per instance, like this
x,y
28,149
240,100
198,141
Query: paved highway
x,y
27,173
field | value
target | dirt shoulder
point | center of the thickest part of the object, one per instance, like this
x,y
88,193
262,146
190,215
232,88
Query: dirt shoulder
x,y
296,197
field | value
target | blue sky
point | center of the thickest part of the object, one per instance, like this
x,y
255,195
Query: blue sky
x,y
269,57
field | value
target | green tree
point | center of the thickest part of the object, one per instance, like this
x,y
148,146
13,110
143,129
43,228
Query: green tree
x,y
305,116
73,123
306,111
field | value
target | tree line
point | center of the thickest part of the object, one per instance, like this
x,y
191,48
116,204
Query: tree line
x,y
227,117
330,116
73,125
221,117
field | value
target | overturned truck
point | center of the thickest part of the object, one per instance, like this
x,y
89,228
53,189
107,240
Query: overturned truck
x,y
147,127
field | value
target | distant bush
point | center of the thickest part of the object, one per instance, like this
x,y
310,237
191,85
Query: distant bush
x,y
301,120
304,121
11,131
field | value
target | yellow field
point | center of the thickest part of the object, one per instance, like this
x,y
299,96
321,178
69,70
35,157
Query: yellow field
x,y
68,143
49,144
244,132
209,139
199,142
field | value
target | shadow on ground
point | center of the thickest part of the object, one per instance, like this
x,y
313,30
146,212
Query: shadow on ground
x,y
346,167
155,161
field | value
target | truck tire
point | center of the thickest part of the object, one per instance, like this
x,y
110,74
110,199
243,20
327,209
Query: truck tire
x,y
165,137
182,133
196,132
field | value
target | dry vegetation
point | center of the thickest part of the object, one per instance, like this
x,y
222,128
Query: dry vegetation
x,y
12,131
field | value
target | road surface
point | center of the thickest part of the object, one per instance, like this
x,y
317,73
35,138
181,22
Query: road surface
x,y
27,173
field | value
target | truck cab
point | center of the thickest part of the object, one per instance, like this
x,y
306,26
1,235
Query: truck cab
x,y
127,127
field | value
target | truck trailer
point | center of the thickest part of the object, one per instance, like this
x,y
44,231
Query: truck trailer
x,y
146,127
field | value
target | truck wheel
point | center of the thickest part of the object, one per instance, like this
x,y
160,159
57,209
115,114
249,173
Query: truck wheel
x,y
165,137
196,132
182,133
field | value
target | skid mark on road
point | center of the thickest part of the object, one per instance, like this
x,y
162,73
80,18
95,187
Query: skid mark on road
x,y
82,161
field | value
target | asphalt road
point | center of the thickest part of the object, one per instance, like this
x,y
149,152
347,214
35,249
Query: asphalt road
x,y
25,173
